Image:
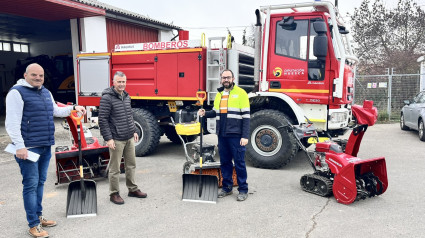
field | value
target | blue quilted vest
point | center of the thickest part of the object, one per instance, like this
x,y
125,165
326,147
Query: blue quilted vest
x,y
37,126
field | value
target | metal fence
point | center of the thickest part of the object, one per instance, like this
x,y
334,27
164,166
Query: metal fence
x,y
388,91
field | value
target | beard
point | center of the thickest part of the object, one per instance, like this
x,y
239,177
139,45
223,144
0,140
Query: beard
x,y
227,85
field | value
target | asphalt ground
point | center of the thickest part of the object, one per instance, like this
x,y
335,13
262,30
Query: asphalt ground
x,y
276,206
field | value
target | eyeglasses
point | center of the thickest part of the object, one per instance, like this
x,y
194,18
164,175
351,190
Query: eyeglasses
x,y
226,78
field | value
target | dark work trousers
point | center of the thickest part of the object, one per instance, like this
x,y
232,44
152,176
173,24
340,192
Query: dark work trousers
x,y
229,147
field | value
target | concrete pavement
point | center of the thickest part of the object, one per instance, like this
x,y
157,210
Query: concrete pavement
x,y
276,206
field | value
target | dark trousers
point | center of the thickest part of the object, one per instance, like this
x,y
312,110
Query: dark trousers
x,y
229,147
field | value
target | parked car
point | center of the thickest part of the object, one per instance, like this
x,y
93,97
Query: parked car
x,y
412,115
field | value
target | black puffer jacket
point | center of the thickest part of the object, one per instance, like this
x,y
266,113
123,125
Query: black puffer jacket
x,y
115,116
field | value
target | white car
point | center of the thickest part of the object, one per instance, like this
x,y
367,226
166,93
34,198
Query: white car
x,y
413,115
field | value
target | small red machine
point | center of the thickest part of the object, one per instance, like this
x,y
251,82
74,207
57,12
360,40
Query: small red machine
x,y
95,157
337,169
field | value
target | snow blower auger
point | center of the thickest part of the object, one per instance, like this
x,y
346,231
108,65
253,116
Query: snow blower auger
x,y
95,157
340,171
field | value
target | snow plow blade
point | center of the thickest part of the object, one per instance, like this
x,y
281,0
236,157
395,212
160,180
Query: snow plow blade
x,y
200,188
211,169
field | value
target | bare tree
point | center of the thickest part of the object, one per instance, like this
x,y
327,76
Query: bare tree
x,y
389,38
248,36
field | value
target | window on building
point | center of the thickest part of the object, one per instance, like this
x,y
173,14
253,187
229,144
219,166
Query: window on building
x,y
6,46
16,47
24,48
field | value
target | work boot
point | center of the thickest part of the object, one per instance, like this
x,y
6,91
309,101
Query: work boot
x,y
45,223
137,194
242,197
116,198
38,232
223,193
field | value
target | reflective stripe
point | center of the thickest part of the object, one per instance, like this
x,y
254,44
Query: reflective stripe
x,y
234,116
246,116
217,117
233,109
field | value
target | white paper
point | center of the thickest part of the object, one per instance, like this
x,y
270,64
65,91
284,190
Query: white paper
x,y
10,148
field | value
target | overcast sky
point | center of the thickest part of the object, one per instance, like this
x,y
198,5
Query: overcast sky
x,y
213,17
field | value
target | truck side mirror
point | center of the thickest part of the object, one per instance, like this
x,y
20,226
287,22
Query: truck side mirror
x,y
288,23
320,43
342,30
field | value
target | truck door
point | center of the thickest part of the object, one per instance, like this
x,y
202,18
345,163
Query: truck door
x,y
140,72
166,71
293,68
178,74
189,77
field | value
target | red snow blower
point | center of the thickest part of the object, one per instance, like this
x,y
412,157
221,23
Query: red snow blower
x,y
95,157
337,169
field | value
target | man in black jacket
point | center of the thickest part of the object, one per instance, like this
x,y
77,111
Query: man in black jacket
x,y
118,130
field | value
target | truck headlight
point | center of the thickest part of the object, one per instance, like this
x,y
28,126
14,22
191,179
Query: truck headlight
x,y
338,117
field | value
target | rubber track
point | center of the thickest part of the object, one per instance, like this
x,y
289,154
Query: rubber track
x,y
317,178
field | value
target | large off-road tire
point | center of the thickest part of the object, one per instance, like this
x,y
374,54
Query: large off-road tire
x,y
270,145
402,123
170,132
148,129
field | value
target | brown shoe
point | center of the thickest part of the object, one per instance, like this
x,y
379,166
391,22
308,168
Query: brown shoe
x,y
116,198
38,232
137,194
45,223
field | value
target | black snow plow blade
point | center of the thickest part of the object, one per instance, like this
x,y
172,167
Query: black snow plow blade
x,y
82,199
200,188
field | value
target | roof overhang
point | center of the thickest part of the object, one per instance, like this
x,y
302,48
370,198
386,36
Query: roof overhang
x,y
143,22
49,10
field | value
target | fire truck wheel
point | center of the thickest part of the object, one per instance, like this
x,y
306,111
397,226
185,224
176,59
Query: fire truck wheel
x,y
148,129
270,146
171,134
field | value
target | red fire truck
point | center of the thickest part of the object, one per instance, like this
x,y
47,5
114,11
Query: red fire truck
x,y
302,66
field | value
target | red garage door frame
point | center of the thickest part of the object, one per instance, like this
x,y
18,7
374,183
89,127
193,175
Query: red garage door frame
x,y
49,10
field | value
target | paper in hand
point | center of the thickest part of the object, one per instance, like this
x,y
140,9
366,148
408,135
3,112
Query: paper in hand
x,y
11,148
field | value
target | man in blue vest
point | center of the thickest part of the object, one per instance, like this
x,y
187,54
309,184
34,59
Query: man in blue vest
x,y
30,109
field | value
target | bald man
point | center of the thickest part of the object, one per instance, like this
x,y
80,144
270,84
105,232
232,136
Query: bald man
x,y
30,109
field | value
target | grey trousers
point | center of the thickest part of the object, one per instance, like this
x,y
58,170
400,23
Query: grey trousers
x,y
122,149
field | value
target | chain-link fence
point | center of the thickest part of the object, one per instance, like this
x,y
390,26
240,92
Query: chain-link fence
x,y
387,91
